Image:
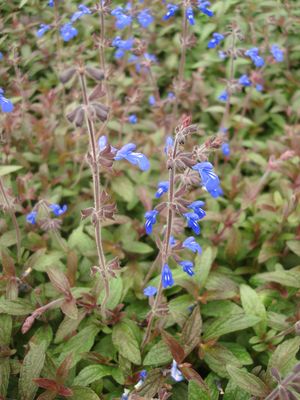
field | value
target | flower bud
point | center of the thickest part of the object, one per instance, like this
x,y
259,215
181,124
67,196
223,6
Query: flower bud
x,y
76,116
101,111
66,75
95,73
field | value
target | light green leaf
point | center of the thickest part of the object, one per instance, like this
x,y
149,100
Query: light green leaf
x,y
159,354
253,305
203,264
284,357
137,247
294,245
4,376
16,307
195,392
248,382
83,393
5,329
126,343
91,374
8,169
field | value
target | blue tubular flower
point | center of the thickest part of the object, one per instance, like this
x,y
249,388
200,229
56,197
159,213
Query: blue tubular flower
x,y
223,96
127,153
208,177
187,267
143,374
57,209
1,56
244,80
196,207
192,221
145,18
68,32
169,144
82,10
150,291
253,53
259,87
277,53
167,277
122,46
222,55
122,19
175,373
172,241
42,30
217,192
150,217
190,15
5,104
31,217
171,10
217,38
132,119
151,100
225,149
203,7
191,244
51,3
162,188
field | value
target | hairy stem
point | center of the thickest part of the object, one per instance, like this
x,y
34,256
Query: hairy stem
x,y
97,194
165,246
13,217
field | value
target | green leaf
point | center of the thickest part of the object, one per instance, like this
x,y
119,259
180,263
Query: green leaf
x,y
80,240
284,357
233,392
154,381
16,307
115,293
228,324
124,188
191,332
290,278
78,344
252,305
8,169
83,393
203,264
195,392
218,357
248,382
126,343
239,352
47,260
5,329
31,368
92,373
159,354
137,247
294,245
4,376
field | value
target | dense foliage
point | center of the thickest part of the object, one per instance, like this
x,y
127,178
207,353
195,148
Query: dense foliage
x,y
149,194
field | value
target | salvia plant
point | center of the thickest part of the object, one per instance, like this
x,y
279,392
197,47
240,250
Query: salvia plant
x,y
149,199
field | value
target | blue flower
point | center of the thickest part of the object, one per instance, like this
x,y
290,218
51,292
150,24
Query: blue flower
x,y
127,153
1,56
187,267
253,53
225,149
259,87
125,395
190,15
167,277
162,188
51,3
82,10
223,96
31,217
5,104
244,80
150,291
42,30
68,32
175,373
203,7
132,119
171,10
208,177
150,217
172,241
145,18
122,46
143,374
151,100
192,221
217,192
122,19
57,209
222,55
169,144
277,53
191,244
196,207
217,38
171,96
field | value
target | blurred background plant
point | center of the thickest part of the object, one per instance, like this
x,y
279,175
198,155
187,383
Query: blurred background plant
x,y
229,331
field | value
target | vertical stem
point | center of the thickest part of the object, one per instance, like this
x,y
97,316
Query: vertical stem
x,y
13,217
101,50
97,194
166,244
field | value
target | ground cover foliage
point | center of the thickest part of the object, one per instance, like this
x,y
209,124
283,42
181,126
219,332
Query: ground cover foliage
x,y
149,187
